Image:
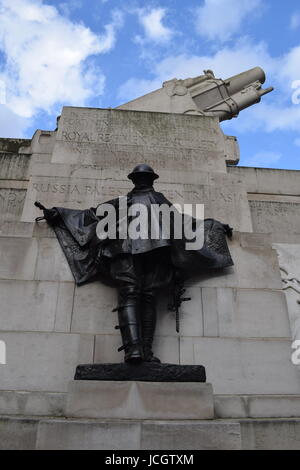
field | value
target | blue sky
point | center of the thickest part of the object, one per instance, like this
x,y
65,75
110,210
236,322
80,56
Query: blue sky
x,y
103,53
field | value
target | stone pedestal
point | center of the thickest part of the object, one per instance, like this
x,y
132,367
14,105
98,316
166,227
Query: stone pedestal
x,y
140,400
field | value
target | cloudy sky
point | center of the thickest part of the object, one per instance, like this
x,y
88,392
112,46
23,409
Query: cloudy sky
x,y
102,53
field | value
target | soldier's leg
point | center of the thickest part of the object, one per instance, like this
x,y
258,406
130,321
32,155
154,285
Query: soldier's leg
x,y
148,321
129,293
156,273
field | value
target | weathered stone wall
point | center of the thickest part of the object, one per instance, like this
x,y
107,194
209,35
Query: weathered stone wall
x,y
237,323
274,201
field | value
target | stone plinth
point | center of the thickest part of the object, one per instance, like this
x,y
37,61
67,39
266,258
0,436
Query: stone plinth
x,y
89,434
139,400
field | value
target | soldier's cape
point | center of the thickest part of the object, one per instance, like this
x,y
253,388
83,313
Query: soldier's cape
x,y
89,257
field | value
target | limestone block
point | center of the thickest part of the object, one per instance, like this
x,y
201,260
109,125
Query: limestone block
x,y
274,406
17,258
18,433
257,406
16,229
210,311
11,203
119,138
231,406
59,434
275,214
51,263
264,180
243,366
92,312
37,158
43,142
64,307
232,150
271,434
245,313
164,347
285,181
139,400
106,349
32,403
36,306
285,237
13,166
43,361
191,435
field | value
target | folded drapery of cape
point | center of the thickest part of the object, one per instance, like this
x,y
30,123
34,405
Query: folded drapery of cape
x,y
89,257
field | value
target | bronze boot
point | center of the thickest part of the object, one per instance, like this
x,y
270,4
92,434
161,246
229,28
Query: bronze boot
x,y
148,329
130,332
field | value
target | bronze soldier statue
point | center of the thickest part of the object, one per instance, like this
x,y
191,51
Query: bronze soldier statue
x,y
138,267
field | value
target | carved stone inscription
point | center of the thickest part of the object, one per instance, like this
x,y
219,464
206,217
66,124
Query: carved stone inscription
x,y
82,193
11,204
274,216
13,166
115,138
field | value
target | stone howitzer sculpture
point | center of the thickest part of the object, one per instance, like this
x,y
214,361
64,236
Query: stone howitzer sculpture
x,y
205,95
226,98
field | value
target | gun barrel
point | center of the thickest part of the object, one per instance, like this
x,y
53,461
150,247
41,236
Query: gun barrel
x,y
226,98
205,95
266,90
244,79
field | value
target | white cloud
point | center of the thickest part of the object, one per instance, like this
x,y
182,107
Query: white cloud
x,y
290,67
108,40
225,63
263,159
295,20
67,8
48,57
134,88
11,124
275,112
221,19
152,22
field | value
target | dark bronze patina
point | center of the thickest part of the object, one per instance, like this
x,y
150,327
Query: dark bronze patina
x,y
138,268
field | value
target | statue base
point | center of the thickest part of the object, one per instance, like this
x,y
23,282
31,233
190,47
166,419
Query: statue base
x,y
138,400
143,371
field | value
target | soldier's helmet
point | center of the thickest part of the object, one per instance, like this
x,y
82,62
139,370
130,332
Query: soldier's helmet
x,y
142,168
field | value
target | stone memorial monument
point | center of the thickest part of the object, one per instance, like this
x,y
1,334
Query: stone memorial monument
x,y
241,324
